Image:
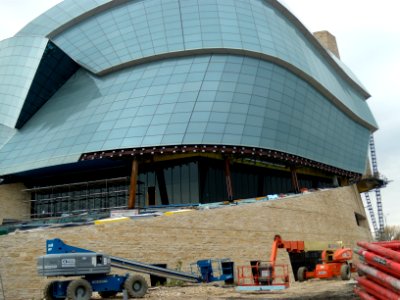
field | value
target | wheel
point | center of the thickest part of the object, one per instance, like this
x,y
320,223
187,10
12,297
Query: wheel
x,y
107,294
79,289
48,291
136,286
345,272
301,274
360,273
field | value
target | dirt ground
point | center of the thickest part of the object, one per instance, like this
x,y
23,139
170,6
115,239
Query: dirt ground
x,y
312,289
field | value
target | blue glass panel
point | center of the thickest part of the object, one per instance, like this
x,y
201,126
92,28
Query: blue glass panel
x,y
54,70
19,59
89,114
139,29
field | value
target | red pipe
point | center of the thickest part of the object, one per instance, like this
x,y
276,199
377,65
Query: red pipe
x,y
393,246
378,249
380,262
377,290
363,294
385,279
381,277
384,285
374,293
387,242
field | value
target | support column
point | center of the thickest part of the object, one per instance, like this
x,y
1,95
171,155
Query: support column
x,y
260,184
295,181
228,179
162,186
335,181
132,189
203,170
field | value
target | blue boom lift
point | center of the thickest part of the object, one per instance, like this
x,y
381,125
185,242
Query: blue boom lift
x,y
94,269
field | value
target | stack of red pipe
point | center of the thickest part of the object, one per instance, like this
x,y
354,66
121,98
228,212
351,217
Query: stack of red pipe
x,y
379,270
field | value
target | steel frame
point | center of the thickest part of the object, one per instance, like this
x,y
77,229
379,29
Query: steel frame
x,y
234,151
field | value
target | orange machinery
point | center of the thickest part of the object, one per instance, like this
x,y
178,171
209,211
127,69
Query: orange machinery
x,y
290,246
335,263
268,275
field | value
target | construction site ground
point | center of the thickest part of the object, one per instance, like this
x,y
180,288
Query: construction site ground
x,y
313,289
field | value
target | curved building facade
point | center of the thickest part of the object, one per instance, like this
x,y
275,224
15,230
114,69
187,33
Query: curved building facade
x,y
190,101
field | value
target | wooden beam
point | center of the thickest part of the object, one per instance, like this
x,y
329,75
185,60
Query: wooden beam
x,y
260,185
132,189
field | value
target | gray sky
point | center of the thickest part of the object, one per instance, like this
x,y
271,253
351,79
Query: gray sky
x,y
368,36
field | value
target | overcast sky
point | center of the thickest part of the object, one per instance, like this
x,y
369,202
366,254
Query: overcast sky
x,y
368,36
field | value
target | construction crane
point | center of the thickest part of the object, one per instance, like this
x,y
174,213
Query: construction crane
x,y
374,163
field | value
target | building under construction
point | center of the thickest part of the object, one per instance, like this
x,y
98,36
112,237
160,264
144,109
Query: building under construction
x,y
135,104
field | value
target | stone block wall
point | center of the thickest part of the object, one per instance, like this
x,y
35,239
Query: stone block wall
x,y
242,233
14,203
328,41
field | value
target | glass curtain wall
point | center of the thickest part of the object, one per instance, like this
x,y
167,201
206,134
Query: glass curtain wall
x,y
173,183
177,182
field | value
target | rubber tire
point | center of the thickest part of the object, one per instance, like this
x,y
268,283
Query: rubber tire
x,y
360,273
107,294
345,273
79,285
48,291
136,286
301,274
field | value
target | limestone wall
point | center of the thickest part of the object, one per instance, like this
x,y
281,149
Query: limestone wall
x,y
13,202
242,233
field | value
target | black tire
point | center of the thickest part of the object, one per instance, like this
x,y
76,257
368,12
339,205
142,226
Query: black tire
x,y
136,286
79,289
107,294
48,291
301,274
345,273
360,273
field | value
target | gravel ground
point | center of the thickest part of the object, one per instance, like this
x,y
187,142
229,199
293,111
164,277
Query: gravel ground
x,y
312,289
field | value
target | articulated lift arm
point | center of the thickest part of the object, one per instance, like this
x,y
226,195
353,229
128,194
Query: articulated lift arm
x,y
94,269
290,246
58,247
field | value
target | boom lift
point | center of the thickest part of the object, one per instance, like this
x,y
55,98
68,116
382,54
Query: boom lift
x,y
271,276
335,263
268,275
94,269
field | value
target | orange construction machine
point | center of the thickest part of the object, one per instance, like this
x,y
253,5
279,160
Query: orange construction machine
x,y
267,275
335,263
315,263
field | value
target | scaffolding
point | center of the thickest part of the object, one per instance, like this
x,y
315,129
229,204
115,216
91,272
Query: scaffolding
x,y
371,212
78,198
377,229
